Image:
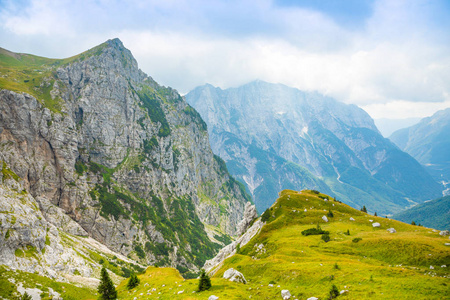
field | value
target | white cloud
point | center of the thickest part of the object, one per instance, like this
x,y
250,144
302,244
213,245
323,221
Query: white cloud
x,y
396,62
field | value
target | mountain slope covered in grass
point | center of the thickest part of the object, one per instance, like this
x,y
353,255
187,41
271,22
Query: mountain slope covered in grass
x,y
365,261
434,213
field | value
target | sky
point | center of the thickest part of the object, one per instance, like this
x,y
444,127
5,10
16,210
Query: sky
x,y
390,57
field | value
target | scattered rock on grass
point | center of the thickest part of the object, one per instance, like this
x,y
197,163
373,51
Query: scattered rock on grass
x,y
391,230
213,297
325,218
313,298
285,294
351,219
444,233
376,224
234,275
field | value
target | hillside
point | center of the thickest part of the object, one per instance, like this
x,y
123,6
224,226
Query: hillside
x,y
429,143
95,147
369,263
434,213
336,145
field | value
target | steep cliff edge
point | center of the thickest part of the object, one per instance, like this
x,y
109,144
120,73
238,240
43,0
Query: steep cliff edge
x,y
126,159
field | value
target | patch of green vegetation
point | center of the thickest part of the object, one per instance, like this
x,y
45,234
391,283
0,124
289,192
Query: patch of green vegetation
x,y
80,167
151,101
8,173
314,231
47,240
195,116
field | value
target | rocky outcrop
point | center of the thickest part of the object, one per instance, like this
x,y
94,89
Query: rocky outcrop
x,y
107,152
250,215
213,265
234,275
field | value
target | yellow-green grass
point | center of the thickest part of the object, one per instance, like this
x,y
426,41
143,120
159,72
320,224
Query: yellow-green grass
x,y
9,279
381,265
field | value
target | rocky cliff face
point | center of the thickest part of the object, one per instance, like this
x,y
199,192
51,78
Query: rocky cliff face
x,y
429,143
126,159
338,144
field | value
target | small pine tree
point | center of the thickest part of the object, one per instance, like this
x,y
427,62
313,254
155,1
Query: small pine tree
x,y
364,209
106,287
133,281
348,232
330,214
334,292
375,214
336,266
204,282
326,237
413,223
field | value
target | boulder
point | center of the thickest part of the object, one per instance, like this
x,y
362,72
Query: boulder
x,y
213,297
325,218
431,268
351,219
312,298
391,230
444,233
376,224
234,275
285,294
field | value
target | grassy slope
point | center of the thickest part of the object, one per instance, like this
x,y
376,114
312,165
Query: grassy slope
x,y
380,266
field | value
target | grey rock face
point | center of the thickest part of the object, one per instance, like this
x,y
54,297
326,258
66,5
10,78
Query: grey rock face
x,y
253,124
234,275
429,143
250,214
119,158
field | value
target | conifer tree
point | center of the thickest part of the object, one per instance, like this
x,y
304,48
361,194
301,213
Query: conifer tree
x,y
205,282
106,287
364,209
133,281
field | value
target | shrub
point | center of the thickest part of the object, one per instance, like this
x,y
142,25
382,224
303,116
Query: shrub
x,y
347,232
330,214
204,282
26,296
336,266
355,240
364,209
314,231
265,216
133,281
334,292
326,237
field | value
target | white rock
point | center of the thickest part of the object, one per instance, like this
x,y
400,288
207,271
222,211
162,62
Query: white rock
x,y
234,275
376,224
370,221
325,218
431,268
444,266
180,292
213,297
444,233
312,298
351,219
270,285
305,210
343,292
391,230
285,294
447,244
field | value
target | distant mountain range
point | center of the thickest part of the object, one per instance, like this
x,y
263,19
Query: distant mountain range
x,y
260,129
429,143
